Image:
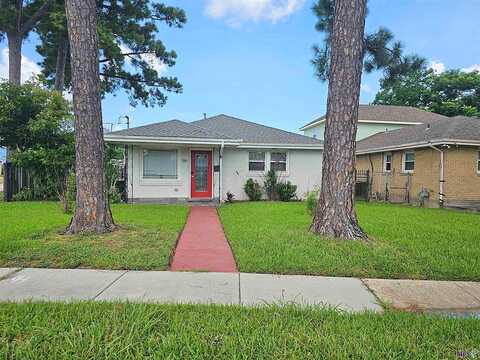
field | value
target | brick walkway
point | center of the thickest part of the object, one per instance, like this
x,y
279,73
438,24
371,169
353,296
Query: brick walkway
x,y
202,245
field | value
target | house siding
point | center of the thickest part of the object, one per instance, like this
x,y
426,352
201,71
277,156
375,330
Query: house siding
x,y
462,183
364,130
304,169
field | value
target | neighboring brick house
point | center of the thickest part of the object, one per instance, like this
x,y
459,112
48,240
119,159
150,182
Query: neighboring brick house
x,y
436,163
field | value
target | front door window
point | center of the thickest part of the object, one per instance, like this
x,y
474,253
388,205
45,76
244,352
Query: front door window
x,y
201,174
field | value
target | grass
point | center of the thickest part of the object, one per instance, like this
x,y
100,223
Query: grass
x,y
406,242
30,237
133,331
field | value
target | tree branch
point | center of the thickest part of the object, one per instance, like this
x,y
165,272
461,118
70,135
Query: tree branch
x,y
30,23
128,54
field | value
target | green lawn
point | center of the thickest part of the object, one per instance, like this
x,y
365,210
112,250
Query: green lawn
x,y
133,331
406,242
29,236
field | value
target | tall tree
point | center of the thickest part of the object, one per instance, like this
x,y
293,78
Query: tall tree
x,y
335,214
17,19
92,213
450,93
381,52
133,58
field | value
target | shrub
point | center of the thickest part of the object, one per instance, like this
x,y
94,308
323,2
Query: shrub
x,y
230,197
270,184
311,201
286,191
253,190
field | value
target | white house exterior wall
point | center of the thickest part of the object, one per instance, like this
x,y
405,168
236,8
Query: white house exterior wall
x,y
364,129
304,169
155,189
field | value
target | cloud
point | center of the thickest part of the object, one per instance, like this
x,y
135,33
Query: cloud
x,y
475,67
437,67
29,68
366,88
237,12
151,59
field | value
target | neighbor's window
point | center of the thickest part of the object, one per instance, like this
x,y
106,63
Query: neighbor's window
x,y
387,162
256,161
278,161
160,164
409,161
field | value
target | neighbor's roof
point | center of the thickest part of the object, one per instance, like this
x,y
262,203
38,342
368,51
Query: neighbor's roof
x,y
458,129
221,127
388,114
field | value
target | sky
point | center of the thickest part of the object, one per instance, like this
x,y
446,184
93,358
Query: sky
x,y
251,58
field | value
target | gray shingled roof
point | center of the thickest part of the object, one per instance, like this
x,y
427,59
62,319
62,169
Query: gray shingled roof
x,y
220,127
392,113
459,128
253,133
172,128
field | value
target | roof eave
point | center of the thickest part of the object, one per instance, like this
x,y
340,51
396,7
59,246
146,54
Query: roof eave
x,y
419,145
281,146
309,126
169,140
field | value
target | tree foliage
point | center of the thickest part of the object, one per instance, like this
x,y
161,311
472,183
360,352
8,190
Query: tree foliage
x,y
450,93
132,58
37,125
381,52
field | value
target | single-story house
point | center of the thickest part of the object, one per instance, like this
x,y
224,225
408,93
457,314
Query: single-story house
x,y
437,163
205,159
373,119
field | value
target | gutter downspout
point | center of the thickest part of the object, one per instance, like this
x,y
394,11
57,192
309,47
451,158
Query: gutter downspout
x,y
442,176
220,174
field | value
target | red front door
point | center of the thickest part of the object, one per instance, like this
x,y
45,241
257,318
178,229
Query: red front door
x,y
201,174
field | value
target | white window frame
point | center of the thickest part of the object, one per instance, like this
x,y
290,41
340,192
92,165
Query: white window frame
x,y
404,158
385,162
286,160
478,161
257,161
158,179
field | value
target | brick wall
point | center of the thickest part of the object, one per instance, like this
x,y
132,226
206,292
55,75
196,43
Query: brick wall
x,y
462,183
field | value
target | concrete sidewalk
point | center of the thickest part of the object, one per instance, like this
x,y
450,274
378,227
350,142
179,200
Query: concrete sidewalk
x,y
349,294
184,287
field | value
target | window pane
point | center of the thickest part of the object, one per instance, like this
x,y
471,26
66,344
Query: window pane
x,y
278,156
160,164
409,157
410,165
388,166
259,156
278,166
256,166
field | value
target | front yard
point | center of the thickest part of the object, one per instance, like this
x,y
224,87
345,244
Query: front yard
x,y
29,237
406,242
134,331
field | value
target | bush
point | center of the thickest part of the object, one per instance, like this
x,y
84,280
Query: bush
x,y
270,185
253,190
311,201
26,194
286,191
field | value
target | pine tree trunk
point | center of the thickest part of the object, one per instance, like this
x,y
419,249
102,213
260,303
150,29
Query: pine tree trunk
x,y
14,58
335,215
62,54
92,213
